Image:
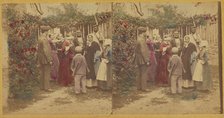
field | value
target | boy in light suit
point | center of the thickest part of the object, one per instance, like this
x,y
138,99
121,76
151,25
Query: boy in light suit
x,y
176,70
79,68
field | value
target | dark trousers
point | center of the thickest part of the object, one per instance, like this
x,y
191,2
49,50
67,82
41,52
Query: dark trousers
x,y
45,75
142,77
109,76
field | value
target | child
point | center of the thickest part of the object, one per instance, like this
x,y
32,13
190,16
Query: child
x,y
79,68
176,70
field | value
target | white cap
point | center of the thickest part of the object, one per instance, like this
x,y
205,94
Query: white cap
x,y
203,43
174,50
78,49
108,42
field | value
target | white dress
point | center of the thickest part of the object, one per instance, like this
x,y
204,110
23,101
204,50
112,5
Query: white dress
x,y
197,76
102,72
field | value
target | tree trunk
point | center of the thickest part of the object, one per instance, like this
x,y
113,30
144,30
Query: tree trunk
x,y
5,69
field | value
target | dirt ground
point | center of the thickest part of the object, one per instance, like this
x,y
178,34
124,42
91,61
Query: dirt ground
x,y
160,101
63,101
157,101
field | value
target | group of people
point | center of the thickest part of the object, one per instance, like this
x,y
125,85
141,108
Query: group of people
x,y
171,61
73,61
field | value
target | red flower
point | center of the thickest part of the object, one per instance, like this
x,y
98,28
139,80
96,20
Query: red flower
x,y
28,34
12,25
22,21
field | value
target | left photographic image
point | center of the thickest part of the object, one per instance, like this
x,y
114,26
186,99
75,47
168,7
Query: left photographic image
x,y
57,58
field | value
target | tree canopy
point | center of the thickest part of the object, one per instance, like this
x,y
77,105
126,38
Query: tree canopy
x,y
72,16
165,16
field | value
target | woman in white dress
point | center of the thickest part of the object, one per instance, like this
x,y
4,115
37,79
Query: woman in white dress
x,y
102,75
201,75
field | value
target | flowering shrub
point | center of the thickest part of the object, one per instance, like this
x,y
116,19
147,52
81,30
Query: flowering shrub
x,y
124,37
22,40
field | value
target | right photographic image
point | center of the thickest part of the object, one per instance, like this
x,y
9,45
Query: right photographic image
x,y
167,58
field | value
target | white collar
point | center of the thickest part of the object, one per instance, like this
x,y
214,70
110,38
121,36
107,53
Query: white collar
x,y
79,54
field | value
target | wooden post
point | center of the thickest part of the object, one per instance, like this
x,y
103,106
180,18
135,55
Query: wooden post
x,y
205,32
88,28
186,30
181,34
106,29
83,31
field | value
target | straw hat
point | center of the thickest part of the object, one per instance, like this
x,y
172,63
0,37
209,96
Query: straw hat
x,y
142,29
108,42
167,38
203,43
69,38
176,34
185,38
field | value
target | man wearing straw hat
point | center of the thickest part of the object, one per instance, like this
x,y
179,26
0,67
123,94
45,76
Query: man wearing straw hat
x,y
142,59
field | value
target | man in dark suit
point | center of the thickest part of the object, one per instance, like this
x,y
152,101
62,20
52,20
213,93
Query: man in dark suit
x,y
142,59
44,62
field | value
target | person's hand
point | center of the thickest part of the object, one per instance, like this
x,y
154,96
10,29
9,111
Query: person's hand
x,y
51,62
148,63
38,65
202,61
184,70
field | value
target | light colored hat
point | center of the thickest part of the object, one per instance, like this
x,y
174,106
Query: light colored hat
x,y
203,43
108,42
175,50
69,38
176,34
167,38
95,25
89,35
78,49
185,37
143,29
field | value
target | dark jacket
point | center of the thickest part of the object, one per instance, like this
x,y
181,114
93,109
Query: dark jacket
x,y
44,52
141,52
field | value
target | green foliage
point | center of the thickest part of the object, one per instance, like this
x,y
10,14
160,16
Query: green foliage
x,y
71,16
22,40
124,37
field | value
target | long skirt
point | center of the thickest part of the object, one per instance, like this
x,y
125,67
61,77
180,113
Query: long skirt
x,y
162,72
55,66
197,75
152,69
65,72
202,76
102,72
96,66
